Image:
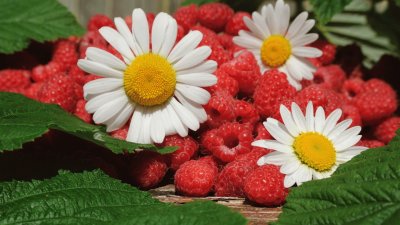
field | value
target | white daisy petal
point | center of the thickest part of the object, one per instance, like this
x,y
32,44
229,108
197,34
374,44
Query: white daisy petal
x,y
296,25
106,58
187,117
319,122
195,94
296,84
110,109
293,68
135,127
208,66
290,166
284,13
145,136
99,69
331,121
298,117
302,174
176,122
249,43
310,116
351,132
102,85
167,123
170,38
119,121
288,181
303,40
123,29
272,21
253,27
193,58
187,44
275,158
339,128
117,41
272,144
261,24
308,52
198,79
140,29
195,108
157,129
306,27
95,103
279,134
288,120
348,142
159,29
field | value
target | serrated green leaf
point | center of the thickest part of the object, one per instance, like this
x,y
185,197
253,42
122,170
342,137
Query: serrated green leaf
x,y
96,199
364,191
326,9
22,120
39,20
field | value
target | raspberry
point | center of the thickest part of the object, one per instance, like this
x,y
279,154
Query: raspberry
x,y
65,54
254,155
186,16
81,112
376,101
331,77
44,72
228,141
245,113
387,129
352,87
245,70
220,55
211,160
195,178
98,21
226,40
271,90
231,178
264,186
235,24
187,147
147,169
91,39
224,83
90,77
328,51
60,90
33,90
352,112
370,143
14,80
215,15
261,134
77,74
180,34
121,133
220,109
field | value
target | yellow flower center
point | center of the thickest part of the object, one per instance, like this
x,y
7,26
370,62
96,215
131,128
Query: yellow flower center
x,y
275,50
315,150
149,80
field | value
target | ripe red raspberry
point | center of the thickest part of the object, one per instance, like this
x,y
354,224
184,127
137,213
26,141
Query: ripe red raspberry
x,y
65,53
231,179
352,87
187,147
14,80
226,40
91,39
44,72
60,90
81,112
186,16
331,77
261,133
271,90
254,155
236,23
180,34
77,74
215,15
33,90
98,21
225,83
245,70
369,143
228,141
376,101
387,129
211,160
90,77
245,113
220,109
147,169
121,133
328,51
195,178
352,112
220,55
264,186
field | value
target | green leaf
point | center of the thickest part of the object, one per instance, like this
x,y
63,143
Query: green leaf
x,y
197,2
22,120
363,191
96,199
326,9
40,20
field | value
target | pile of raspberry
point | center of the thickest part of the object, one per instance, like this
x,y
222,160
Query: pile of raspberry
x,y
218,159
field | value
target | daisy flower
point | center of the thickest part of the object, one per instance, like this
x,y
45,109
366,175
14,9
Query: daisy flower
x,y
276,44
158,83
309,146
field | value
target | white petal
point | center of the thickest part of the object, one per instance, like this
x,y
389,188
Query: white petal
x,y
272,144
123,29
275,158
293,69
135,127
101,85
95,103
178,125
167,123
319,119
303,40
331,121
170,38
351,132
147,125
296,25
208,66
195,94
288,181
157,129
185,45
247,40
140,29
279,134
295,83
198,79
117,41
119,121
159,29
261,24
308,52
193,58
288,120
272,20
306,27
110,109
310,116
99,69
339,128
187,117
195,108
298,117
290,166
283,12
302,174
348,142
106,58
257,31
